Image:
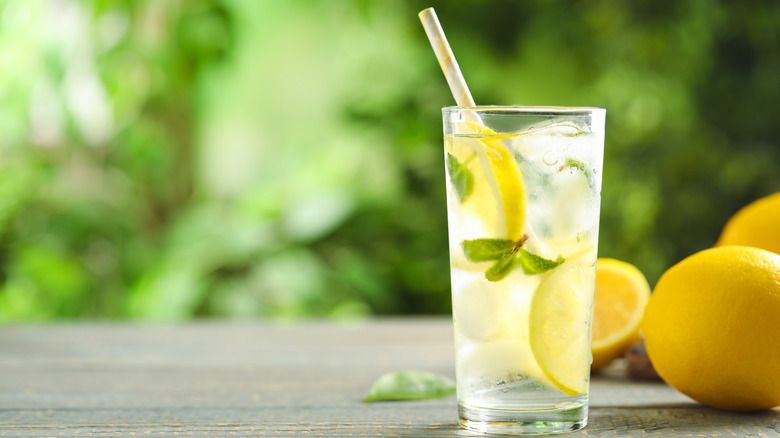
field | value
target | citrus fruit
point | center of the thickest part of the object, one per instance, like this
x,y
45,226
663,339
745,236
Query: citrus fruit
x,y
757,224
712,328
621,295
559,323
500,170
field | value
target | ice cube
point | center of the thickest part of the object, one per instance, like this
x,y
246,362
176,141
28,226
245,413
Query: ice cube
x,y
483,363
476,309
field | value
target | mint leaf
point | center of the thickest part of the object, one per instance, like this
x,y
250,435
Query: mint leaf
x,y
508,255
410,385
584,168
534,264
482,250
461,177
502,267
577,164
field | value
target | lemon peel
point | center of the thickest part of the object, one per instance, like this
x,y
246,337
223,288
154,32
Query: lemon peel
x,y
755,225
711,328
504,176
559,331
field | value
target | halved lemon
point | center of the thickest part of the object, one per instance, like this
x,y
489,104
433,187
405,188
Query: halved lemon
x,y
559,330
621,296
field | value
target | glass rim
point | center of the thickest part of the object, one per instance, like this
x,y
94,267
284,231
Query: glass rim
x,y
527,109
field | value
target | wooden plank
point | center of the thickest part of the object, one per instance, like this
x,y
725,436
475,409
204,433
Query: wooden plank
x,y
276,379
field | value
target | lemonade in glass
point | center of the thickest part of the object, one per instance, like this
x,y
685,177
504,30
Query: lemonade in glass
x,y
523,199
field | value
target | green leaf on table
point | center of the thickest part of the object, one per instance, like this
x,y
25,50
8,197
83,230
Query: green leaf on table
x,y
534,264
461,177
410,385
482,250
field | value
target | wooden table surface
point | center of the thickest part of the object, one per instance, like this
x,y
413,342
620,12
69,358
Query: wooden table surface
x,y
280,380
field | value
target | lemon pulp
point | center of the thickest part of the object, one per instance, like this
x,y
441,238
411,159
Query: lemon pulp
x,y
559,329
501,171
621,295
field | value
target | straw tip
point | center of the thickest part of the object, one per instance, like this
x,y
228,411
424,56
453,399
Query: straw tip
x,y
425,12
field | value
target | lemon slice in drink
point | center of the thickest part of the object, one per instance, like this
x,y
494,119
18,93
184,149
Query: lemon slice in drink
x,y
558,323
502,173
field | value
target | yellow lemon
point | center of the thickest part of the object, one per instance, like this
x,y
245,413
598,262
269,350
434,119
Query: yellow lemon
x,y
499,174
712,328
559,323
621,295
757,225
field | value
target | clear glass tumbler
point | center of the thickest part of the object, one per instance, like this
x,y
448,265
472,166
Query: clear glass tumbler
x,y
523,200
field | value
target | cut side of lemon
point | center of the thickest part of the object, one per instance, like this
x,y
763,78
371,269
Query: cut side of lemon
x,y
503,174
559,330
622,293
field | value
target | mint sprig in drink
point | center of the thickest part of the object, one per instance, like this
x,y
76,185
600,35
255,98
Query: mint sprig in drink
x,y
523,199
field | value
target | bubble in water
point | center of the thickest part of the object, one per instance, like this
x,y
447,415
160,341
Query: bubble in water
x,y
550,158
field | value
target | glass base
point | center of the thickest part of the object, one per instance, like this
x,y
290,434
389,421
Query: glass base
x,y
517,422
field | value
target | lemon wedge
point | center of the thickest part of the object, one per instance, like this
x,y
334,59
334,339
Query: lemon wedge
x,y
559,330
621,296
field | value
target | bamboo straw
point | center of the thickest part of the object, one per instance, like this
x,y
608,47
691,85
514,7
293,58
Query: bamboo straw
x,y
460,91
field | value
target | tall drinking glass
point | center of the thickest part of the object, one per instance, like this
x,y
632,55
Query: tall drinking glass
x,y
523,199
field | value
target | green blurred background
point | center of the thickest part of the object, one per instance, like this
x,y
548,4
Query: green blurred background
x,y
169,159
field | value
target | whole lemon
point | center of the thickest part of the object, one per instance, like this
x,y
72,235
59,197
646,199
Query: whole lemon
x,y
712,328
757,224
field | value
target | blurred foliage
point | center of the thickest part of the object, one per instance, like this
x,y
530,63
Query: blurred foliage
x,y
170,159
